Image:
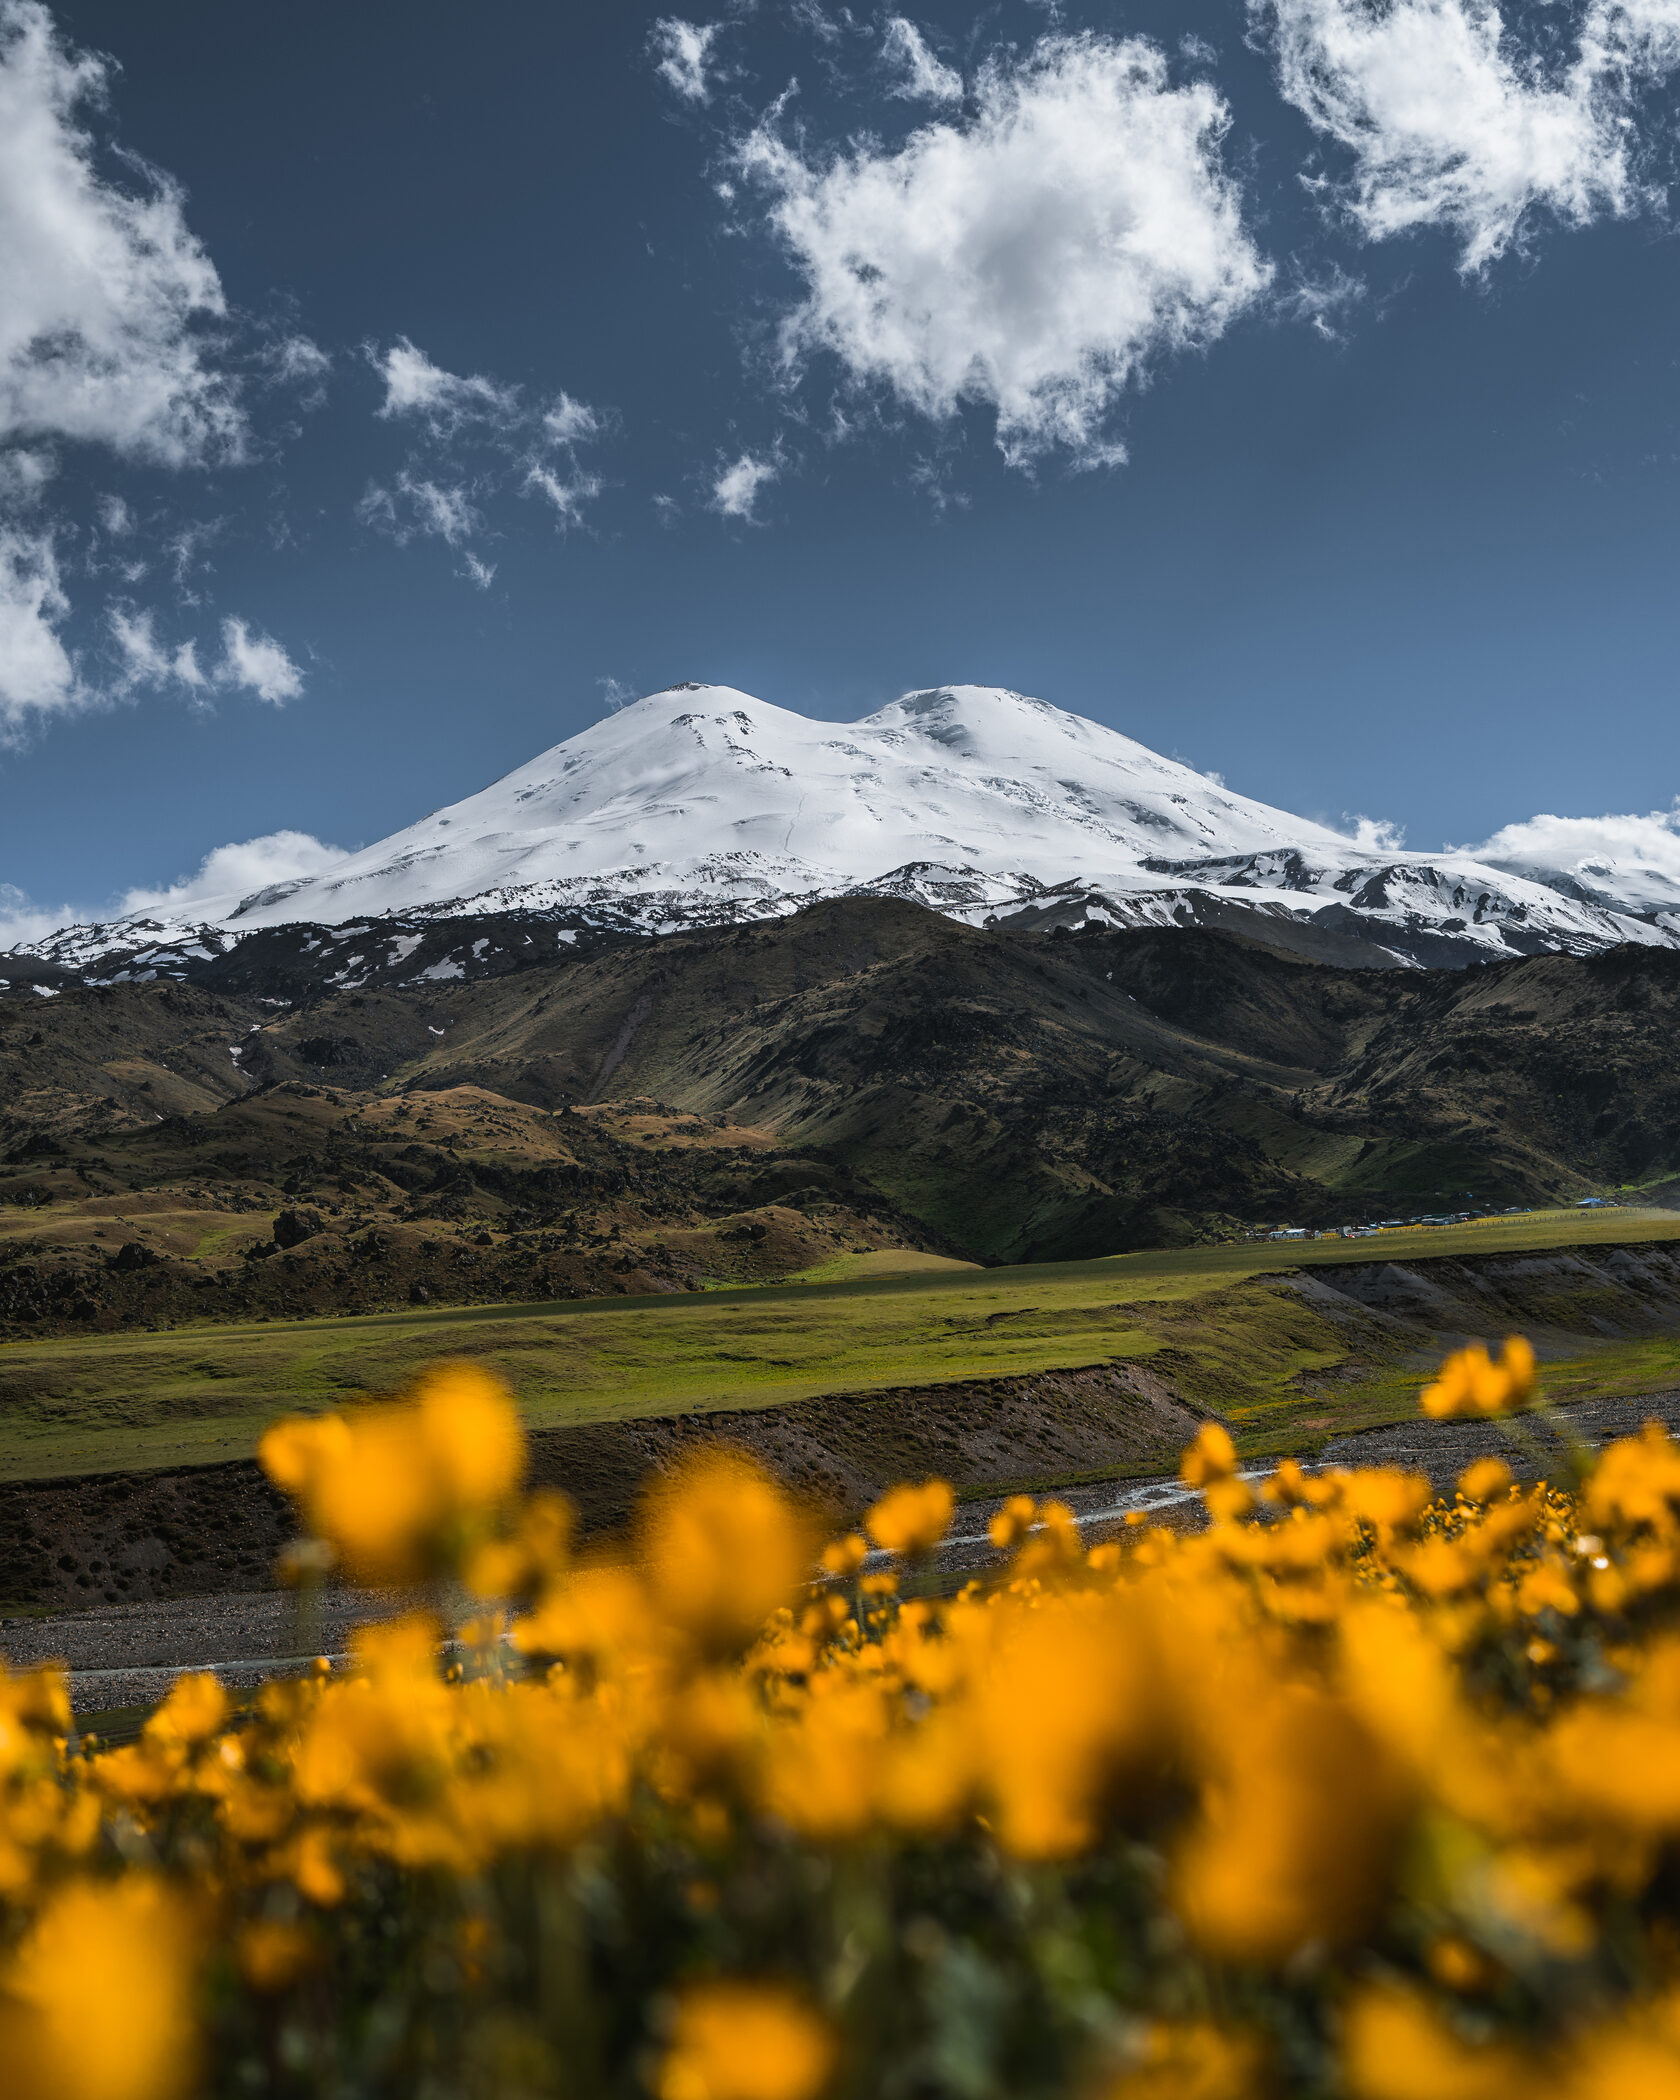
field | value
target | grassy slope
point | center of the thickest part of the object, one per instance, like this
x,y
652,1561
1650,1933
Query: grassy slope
x,y
1225,1336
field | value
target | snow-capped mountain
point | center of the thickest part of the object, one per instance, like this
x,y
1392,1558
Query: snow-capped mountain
x,y
700,805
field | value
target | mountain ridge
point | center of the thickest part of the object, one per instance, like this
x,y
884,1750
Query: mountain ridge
x,y
700,805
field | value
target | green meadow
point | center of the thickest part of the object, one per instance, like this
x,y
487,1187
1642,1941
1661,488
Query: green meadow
x,y
1224,1335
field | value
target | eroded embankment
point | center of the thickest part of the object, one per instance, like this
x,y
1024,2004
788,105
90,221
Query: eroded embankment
x,y
1561,1299
211,1529
205,1529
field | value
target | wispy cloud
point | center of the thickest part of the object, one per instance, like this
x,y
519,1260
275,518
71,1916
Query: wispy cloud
x,y
918,76
736,486
570,494
682,53
114,333
481,438
414,386
148,662
37,674
414,506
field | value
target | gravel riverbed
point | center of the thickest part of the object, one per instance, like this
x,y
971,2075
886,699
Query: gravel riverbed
x,y
123,1655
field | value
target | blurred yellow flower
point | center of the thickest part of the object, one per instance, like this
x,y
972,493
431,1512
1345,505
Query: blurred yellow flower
x,y
1395,2047
1472,1383
912,1520
1484,1479
1211,1457
745,2041
723,1546
99,1997
405,1490
1195,2060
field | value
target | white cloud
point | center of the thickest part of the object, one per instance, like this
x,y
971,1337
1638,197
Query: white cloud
x,y
23,476
417,507
102,290
486,438
482,573
299,361
682,51
236,871
115,517
223,879
569,422
1453,122
146,661
1374,834
414,386
735,490
36,672
258,663
1634,858
921,76
1037,256
22,922
567,494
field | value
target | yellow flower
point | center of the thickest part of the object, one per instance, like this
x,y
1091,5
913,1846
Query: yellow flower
x,y
1395,2048
1297,1834
1211,1457
1484,1479
99,1998
1471,1383
1068,1708
745,2041
723,1546
196,1707
274,1954
406,1490
1195,2060
1012,1523
843,1557
912,1520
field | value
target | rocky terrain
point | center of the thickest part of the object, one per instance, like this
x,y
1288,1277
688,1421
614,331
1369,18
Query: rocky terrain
x,y
749,1102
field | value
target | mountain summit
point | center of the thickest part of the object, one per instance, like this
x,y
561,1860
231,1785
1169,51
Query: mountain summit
x,y
699,805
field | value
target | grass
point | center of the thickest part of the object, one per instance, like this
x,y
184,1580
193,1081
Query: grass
x,y
198,1394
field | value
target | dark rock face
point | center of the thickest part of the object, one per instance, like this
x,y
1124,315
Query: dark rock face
x,y
293,1227
132,1255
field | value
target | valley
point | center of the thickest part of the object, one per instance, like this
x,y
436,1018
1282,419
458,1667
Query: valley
x,y
868,1189
733,1105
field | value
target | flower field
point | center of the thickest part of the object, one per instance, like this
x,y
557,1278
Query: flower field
x,y
1352,1791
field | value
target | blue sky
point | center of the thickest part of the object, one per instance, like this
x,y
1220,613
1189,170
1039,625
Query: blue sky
x,y
386,390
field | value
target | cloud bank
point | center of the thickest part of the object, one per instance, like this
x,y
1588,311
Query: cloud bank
x,y
1643,853
232,872
222,879
1037,256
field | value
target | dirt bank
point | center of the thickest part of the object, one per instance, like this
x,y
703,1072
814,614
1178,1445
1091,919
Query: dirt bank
x,y
1559,1299
203,1530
